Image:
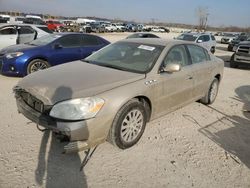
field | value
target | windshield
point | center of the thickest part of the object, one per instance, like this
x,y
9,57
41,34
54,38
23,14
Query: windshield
x,y
187,37
127,56
229,35
44,40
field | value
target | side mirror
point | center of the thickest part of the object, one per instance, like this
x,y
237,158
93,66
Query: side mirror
x,y
199,41
57,46
172,67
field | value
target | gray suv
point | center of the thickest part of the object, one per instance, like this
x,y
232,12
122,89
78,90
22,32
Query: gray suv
x,y
242,55
204,39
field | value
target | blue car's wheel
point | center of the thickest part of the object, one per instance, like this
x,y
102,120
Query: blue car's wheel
x,y
36,65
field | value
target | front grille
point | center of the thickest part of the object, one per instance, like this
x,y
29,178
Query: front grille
x,y
244,49
32,101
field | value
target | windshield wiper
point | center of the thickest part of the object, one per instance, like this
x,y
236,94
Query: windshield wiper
x,y
113,67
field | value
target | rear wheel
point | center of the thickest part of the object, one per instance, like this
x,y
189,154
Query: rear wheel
x,y
128,125
36,65
211,94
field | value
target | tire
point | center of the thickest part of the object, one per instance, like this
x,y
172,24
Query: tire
x,y
233,63
212,50
126,131
36,65
211,94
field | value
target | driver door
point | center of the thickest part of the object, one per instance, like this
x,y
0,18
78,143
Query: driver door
x,y
174,89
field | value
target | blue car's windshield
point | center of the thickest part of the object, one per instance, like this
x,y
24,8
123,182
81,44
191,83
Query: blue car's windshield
x,y
44,40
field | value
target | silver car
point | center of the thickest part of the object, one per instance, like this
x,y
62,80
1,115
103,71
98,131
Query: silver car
x,y
11,34
113,93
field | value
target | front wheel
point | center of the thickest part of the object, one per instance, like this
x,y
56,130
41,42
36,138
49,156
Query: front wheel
x,y
36,65
211,94
128,125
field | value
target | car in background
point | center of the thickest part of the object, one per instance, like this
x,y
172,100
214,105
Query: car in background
x,y
227,38
232,46
165,29
142,35
11,34
110,27
157,29
241,55
54,25
131,27
85,28
97,27
113,93
204,39
47,51
120,27
33,20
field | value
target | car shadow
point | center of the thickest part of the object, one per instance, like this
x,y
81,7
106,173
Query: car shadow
x,y
55,169
232,132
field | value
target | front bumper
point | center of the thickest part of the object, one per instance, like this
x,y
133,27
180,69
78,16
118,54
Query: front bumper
x,y
13,66
83,134
241,58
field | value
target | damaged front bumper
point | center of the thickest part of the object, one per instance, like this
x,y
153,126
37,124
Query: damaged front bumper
x,y
76,132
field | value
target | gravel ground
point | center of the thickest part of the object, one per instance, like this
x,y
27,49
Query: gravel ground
x,y
196,146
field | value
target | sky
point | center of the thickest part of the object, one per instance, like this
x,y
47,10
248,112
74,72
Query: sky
x,y
221,12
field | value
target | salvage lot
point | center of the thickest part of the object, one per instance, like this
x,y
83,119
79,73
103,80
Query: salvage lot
x,y
196,146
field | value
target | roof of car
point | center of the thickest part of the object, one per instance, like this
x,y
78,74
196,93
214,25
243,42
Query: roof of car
x,y
21,24
156,41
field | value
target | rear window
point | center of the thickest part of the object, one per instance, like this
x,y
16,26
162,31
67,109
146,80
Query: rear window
x,y
89,40
45,29
213,38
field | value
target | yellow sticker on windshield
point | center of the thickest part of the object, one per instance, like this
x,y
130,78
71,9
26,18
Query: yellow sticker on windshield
x,y
144,47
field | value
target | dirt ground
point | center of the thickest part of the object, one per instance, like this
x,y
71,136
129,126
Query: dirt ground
x,y
196,146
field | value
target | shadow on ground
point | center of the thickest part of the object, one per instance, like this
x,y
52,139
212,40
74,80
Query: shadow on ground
x,y
232,132
55,169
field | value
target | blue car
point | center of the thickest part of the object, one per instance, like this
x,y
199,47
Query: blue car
x,y
50,50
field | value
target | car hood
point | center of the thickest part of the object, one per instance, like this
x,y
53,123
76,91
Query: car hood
x,y
74,80
16,48
245,43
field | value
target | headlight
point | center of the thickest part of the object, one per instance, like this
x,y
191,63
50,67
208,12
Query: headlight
x,y
13,55
77,109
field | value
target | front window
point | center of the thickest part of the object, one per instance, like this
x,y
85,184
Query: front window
x,y
187,37
127,56
44,40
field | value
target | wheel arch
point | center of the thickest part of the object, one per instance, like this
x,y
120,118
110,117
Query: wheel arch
x,y
33,58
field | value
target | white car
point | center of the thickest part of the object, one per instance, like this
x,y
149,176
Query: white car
x,y
204,39
157,29
11,34
119,26
110,27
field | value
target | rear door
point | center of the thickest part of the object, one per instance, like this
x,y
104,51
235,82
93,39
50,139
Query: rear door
x,y
202,68
8,36
90,44
70,49
25,34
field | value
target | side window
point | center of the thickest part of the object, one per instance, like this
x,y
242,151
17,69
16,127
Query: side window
x,y
213,38
70,41
89,40
176,55
8,31
25,30
206,38
201,38
197,54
